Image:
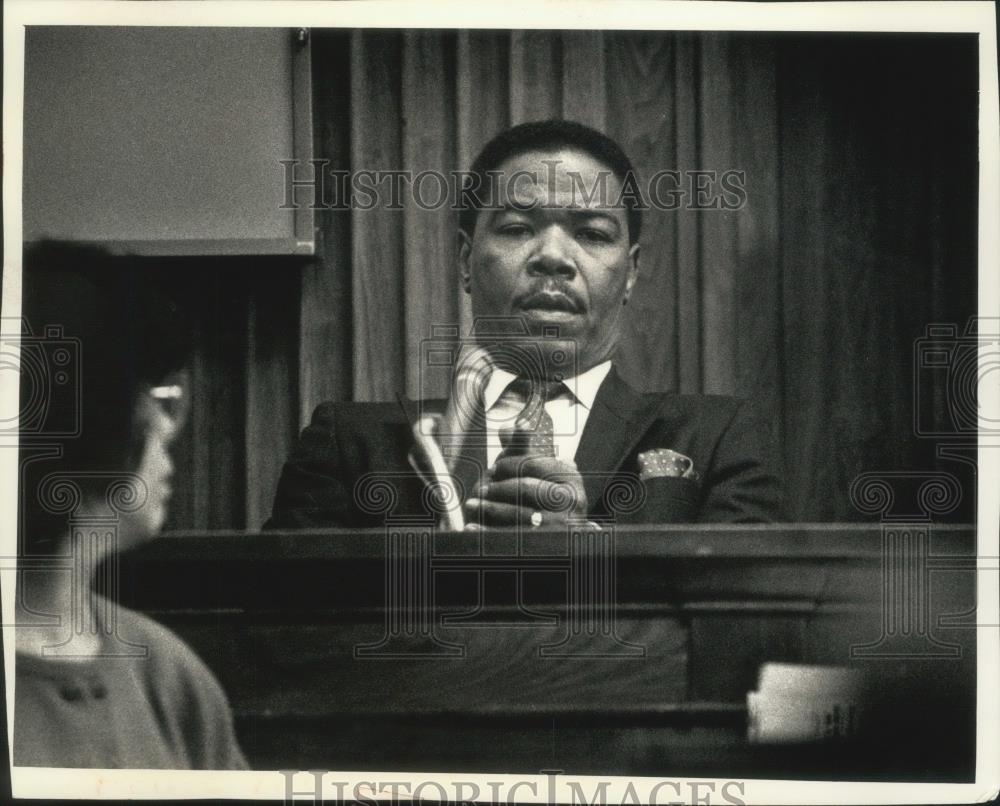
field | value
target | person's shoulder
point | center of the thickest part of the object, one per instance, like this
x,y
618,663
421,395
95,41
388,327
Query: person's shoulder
x,y
189,698
168,658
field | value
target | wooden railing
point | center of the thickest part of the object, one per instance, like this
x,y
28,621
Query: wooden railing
x,y
622,652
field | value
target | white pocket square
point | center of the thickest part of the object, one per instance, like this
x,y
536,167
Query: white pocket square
x,y
663,462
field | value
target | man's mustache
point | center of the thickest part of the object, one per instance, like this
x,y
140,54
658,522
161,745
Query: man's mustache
x,y
556,297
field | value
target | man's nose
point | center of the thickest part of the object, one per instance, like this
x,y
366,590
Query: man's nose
x,y
553,253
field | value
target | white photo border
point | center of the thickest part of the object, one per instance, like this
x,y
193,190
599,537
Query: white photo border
x,y
970,17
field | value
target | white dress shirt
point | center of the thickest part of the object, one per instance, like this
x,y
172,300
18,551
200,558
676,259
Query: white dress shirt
x,y
569,411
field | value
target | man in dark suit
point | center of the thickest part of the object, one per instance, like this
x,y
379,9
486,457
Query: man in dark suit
x,y
548,240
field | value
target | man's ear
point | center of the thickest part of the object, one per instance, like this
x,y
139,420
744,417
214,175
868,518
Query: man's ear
x,y
464,250
633,271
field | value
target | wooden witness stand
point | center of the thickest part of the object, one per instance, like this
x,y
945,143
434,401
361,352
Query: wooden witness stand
x,y
626,653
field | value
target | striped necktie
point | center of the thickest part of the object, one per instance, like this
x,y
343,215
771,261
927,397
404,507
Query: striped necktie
x,y
532,431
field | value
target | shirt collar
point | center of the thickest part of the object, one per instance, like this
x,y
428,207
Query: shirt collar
x,y
583,386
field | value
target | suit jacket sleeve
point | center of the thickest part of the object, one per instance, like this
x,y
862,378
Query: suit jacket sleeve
x,y
311,491
742,483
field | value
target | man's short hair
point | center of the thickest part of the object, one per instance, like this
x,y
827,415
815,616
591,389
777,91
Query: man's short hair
x,y
544,135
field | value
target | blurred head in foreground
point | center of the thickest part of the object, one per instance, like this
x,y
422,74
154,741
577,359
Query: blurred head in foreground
x,y
102,382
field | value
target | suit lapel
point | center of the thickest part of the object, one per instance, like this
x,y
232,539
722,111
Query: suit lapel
x,y
618,419
469,464
411,499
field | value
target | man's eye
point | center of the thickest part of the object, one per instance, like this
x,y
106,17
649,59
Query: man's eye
x,y
593,235
515,229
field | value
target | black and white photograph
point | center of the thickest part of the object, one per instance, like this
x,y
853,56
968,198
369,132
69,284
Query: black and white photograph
x,y
553,403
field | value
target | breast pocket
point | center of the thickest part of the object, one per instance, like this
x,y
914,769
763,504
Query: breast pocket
x,y
669,499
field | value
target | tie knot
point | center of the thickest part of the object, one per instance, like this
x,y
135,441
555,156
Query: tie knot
x,y
531,390
532,432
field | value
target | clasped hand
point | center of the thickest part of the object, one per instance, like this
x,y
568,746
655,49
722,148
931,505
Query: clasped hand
x,y
520,486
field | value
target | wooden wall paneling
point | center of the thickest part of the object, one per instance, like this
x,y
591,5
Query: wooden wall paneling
x,y
482,89
806,158
584,78
216,425
377,242
325,357
209,453
908,276
278,621
868,296
953,235
367,742
758,269
956,245
302,670
687,311
641,101
719,233
271,386
535,75
728,649
858,276
228,405
190,451
925,226
430,274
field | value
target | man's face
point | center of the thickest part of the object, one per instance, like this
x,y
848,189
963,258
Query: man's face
x,y
550,255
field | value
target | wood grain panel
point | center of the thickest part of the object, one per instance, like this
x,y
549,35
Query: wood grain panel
x,y
880,277
325,345
271,403
312,670
584,97
535,76
727,652
419,744
430,273
719,228
190,450
805,151
377,242
210,451
758,306
868,306
482,92
687,311
640,114
837,313
285,652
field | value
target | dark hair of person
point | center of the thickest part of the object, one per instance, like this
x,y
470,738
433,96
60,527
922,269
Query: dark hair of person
x,y
97,333
545,135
